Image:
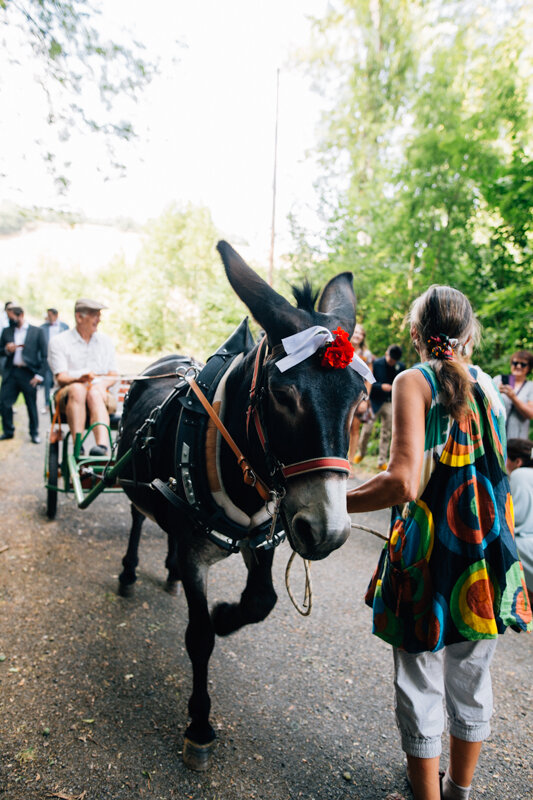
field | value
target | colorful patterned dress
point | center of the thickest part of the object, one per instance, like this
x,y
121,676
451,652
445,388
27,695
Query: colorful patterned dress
x,y
450,571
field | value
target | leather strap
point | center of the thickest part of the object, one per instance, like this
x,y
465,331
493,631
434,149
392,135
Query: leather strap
x,y
249,476
315,465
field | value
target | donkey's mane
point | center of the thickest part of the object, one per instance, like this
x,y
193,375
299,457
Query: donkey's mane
x,y
305,296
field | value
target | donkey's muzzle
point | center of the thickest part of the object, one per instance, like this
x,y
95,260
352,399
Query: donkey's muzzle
x,y
316,542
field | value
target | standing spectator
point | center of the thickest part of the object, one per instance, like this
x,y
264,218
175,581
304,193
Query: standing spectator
x,y
4,316
385,371
25,349
51,327
362,414
520,469
449,579
6,319
83,363
517,395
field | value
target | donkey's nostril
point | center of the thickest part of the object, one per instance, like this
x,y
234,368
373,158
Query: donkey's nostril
x,y
303,533
314,538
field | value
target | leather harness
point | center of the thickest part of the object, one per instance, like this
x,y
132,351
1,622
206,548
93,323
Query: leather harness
x,y
188,489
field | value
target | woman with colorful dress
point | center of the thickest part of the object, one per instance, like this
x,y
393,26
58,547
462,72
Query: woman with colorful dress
x,y
449,580
363,409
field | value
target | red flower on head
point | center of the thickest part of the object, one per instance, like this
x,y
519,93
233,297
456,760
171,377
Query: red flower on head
x,y
338,353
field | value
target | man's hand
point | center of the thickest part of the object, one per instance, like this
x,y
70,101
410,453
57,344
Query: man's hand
x,y
35,381
87,378
386,387
11,347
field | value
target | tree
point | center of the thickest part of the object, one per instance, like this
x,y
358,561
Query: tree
x,y
427,160
80,71
177,298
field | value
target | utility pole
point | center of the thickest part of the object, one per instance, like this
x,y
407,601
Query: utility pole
x,y
273,228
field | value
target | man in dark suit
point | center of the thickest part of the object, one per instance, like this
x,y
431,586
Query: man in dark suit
x,y
51,327
25,348
385,370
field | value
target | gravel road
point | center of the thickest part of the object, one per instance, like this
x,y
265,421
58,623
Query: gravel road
x,y
94,688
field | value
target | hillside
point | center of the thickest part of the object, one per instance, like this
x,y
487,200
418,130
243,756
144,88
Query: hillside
x,y
83,246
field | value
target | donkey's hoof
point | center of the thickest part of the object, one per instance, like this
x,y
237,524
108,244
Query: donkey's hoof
x,y
197,756
172,587
125,589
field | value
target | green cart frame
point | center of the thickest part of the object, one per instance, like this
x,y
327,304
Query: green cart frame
x,y
68,470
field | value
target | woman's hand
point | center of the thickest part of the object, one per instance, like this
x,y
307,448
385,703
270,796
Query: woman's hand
x,y
524,408
508,390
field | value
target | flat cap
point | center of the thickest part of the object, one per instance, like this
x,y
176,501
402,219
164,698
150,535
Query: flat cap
x,y
85,304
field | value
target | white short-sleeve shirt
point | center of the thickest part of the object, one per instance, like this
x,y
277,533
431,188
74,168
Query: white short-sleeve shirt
x,y
69,352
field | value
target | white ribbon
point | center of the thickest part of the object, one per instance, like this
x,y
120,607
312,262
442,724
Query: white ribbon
x,y
301,345
362,368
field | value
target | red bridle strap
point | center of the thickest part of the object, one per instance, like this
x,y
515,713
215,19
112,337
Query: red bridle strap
x,y
315,465
298,467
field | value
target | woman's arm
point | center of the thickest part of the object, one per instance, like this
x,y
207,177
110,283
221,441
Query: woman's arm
x,y
411,399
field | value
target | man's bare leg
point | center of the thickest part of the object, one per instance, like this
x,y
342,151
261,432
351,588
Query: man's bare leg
x,y
76,408
98,413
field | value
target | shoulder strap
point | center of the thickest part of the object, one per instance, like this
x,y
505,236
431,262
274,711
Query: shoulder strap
x,y
430,377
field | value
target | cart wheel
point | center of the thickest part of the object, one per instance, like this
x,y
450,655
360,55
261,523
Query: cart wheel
x,y
53,475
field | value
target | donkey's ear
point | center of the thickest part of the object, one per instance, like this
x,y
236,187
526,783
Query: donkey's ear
x,y
273,313
338,300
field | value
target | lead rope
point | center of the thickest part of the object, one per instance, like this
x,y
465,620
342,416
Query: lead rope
x,y
305,609
371,530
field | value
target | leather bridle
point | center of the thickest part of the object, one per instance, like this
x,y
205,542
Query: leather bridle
x,y
278,472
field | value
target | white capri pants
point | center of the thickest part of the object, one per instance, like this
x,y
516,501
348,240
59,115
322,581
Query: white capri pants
x,y
458,674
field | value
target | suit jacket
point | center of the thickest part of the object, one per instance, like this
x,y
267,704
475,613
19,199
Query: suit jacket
x,y
46,328
35,349
383,373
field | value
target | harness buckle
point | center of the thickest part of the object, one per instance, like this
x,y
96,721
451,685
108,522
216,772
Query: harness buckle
x,y
187,373
272,506
249,476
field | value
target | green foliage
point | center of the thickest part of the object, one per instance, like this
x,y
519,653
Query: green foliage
x,y
178,298
427,162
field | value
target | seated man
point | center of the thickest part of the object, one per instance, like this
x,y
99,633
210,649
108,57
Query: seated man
x,y
83,362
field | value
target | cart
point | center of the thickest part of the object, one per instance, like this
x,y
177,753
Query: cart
x,y
68,470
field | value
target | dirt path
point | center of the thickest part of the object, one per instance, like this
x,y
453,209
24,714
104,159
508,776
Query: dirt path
x,y
94,688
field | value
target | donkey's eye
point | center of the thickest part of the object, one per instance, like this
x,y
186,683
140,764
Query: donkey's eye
x,y
285,398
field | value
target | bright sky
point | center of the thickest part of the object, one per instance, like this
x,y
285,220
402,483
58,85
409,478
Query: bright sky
x,y
206,125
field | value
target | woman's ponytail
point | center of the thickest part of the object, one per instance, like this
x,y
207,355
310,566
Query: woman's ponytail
x,y
455,385
445,323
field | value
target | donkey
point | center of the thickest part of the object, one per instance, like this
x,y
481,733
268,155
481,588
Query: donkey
x,y
293,425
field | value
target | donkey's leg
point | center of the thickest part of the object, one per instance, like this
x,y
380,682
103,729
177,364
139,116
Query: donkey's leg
x,y
199,639
257,600
172,565
127,577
